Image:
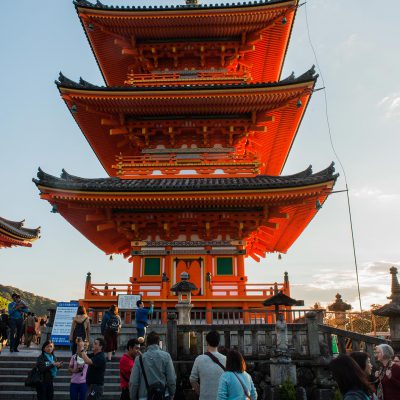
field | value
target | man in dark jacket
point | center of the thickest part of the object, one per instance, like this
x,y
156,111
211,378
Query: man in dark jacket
x,y
97,368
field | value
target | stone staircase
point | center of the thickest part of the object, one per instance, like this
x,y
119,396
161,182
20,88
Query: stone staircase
x,y
15,368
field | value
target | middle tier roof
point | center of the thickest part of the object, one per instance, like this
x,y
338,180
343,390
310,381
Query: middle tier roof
x,y
245,120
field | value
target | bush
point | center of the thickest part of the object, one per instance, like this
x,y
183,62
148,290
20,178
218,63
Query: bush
x,y
287,391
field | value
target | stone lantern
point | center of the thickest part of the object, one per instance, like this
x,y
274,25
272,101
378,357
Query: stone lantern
x,y
183,290
392,311
339,307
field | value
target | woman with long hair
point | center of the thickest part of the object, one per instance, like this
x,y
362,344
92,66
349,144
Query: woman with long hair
x,y
110,327
388,377
351,379
235,383
48,367
80,328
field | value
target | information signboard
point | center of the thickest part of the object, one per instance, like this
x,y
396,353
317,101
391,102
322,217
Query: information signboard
x,y
65,313
128,301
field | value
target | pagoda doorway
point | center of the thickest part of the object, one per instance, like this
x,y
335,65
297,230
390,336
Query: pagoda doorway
x,y
194,267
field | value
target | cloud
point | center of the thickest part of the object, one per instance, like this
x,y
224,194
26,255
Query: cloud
x,y
391,105
375,194
374,278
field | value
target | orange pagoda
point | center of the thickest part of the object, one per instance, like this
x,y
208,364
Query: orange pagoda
x,y
193,127
13,233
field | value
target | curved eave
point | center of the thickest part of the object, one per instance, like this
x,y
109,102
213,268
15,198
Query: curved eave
x,y
17,231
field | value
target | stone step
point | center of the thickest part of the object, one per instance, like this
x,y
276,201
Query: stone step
x,y
58,386
19,376
61,372
31,363
62,395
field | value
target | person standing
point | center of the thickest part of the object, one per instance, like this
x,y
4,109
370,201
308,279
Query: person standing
x,y
141,317
351,379
16,309
154,369
29,330
208,368
78,369
125,366
236,383
4,323
80,328
110,327
48,367
96,370
388,377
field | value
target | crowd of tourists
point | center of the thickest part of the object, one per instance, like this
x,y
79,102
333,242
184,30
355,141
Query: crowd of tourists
x,y
353,374
147,372
19,326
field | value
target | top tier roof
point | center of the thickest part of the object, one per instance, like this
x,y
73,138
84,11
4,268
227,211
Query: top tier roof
x,y
262,29
13,233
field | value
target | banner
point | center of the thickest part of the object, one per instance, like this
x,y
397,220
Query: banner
x,y
65,313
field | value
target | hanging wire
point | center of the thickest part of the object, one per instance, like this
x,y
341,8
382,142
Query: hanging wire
x,y
334,152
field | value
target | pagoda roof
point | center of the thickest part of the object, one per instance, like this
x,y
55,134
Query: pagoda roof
x,y
250,104
74,183
192,7
275,209
13,233
110,30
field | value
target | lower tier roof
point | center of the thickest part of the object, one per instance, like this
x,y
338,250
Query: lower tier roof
x,y
264,213
13,233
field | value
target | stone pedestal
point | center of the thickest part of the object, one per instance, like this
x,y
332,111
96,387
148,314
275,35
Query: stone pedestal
x,y
282,370
184,319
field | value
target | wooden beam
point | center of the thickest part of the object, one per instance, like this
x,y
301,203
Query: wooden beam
x,y
119,131
254,37
278,214
106,226
265,118
109,122
94,217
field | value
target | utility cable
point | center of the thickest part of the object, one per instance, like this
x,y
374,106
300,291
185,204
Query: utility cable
x,y
334,152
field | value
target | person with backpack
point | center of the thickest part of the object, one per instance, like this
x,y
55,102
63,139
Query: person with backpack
x,y
16,310
48,366
110,327
236,383
80,328
208,368
153,375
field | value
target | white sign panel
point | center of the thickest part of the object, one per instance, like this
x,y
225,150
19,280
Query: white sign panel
x,y
65,313
128,301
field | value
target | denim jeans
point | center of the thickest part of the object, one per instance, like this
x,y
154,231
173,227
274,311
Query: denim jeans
x,y
15,332
77,391
141,332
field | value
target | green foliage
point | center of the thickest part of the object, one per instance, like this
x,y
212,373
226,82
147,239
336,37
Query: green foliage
x,y
287,391
337,395
36,304
3,303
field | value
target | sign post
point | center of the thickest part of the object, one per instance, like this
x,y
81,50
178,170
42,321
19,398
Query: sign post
x,y
65,313
127,302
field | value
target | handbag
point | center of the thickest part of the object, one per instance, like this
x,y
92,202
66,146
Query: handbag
x,y
155,391
34,377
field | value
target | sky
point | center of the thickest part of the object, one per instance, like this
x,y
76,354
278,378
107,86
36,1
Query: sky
x,y
356,43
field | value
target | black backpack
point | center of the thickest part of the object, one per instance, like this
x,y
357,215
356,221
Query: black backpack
x,y
79,330
155,391
113,323
34,377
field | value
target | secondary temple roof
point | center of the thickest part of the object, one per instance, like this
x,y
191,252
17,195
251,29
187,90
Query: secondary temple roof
x,y
71,182
268,213
260,119
147,39
13,233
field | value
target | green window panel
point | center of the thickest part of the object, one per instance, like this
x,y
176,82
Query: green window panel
x,y
152,266
224,266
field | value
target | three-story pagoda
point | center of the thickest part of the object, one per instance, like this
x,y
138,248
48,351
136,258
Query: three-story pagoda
x,y
193,127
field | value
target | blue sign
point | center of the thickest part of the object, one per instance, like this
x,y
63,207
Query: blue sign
x,y
65,313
